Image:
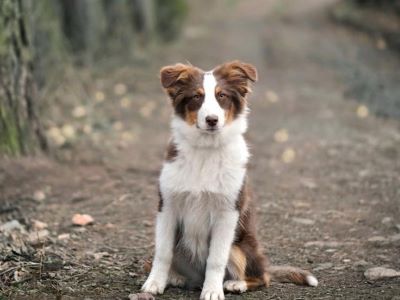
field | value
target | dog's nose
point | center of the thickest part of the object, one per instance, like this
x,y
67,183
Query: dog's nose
x,y
212,120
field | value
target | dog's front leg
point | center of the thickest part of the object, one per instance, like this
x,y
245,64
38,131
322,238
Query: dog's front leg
x,y
222,235
165,237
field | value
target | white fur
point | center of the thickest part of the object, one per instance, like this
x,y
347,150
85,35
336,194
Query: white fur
x,y
235,286
311,280
210,105
200,189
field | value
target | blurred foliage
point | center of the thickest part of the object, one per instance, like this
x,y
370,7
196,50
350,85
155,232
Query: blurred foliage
x,y
39,40
169,17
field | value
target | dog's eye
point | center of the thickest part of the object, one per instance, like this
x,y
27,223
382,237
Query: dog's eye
x,y
222,96
196,97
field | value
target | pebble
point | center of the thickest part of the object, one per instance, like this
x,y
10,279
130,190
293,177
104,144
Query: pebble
x,y
386,220
37,237
10,226
304,221
141,296
323,244
323,266
39,225
377,273
39,196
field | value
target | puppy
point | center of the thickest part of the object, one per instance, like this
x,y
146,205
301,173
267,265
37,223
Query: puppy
x,y
205,232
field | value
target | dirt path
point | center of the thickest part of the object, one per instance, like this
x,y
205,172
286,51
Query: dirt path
x,y
326,184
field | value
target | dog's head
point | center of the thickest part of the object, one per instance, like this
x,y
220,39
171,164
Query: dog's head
x,y
210,100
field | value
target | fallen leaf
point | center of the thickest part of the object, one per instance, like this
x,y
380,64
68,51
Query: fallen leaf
x,y
99,96
82,219
288,155
79,112
68,131
118,125
362,111
87,128
120,89
125,102
147,109
55,135
271,96
281,136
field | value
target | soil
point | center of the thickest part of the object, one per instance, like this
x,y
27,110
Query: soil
x,y
323,190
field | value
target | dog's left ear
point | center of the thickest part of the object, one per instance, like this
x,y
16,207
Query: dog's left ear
x,y
247,70
237,74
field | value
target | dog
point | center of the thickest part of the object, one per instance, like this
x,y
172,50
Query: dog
x,y
206,234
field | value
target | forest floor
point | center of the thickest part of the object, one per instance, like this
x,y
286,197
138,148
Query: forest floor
x,y
325,167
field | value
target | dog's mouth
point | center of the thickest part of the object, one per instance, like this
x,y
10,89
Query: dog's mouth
x,y
209,130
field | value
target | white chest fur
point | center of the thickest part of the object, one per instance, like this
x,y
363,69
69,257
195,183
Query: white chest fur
x,y
203,180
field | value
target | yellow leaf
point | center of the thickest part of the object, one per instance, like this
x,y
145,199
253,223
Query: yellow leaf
x,y
288,155
120,89
281,136
125,103
99,96
362,111
79,112
271,96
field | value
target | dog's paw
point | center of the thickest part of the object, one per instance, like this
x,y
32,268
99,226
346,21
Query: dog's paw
x,y
235,286
212,294
153,286
141,296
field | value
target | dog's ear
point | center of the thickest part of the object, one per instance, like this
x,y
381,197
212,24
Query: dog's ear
x,y
237,74
246,70
170,75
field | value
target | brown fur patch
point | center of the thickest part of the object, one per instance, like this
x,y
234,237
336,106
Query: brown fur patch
x,y
254,282
246,236
184,85
237,262
172,152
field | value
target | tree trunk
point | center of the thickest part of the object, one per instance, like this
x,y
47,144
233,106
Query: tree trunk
x,y
20,130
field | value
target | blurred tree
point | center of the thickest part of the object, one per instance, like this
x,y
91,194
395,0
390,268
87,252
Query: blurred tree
x,y
20,129
39,38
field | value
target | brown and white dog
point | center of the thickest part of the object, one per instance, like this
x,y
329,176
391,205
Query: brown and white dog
x,y
205,234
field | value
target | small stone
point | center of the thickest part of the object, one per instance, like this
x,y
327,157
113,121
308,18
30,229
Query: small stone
x,y
82,219
10,226
38,237
148,223
304,221
330,250
380,273
323,244
386,220
39,225
361,263
141,296
63,236
378,240
346,260
100,255
39,196
323,266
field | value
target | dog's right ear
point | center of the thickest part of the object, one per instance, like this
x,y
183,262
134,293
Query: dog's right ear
x,y
170,75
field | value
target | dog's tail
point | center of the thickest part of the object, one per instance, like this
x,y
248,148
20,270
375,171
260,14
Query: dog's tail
x,y
291,274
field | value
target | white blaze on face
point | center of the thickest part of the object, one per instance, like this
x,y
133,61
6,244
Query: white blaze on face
x,y
210,106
